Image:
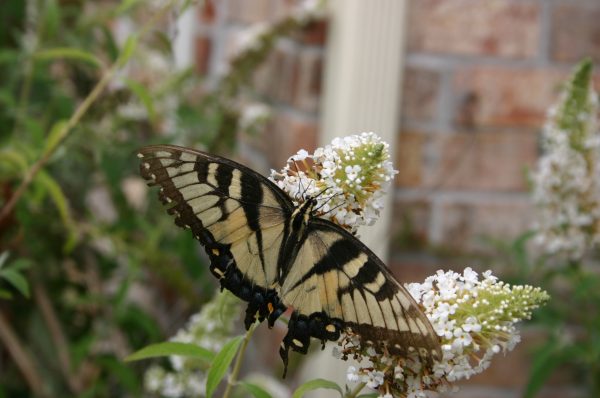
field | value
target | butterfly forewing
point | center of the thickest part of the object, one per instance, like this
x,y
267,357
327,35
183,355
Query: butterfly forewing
x,y
232,210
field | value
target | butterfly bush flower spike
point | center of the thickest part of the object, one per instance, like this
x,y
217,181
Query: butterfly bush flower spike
x,y
348,178
474,316
210,328
567,180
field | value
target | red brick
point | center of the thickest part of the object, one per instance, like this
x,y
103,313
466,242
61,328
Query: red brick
x,y
420,93
471,27
314,33
483,161
308,85
207,12
410,224
249,11
491,161
496,96
575,31
464,225
282,8
285,135
277,78
203,51
410,160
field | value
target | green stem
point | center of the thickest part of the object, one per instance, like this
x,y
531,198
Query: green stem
x,y
24,94
238,361
354,393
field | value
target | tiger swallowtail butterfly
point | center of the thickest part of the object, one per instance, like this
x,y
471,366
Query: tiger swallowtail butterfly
x,y
276,255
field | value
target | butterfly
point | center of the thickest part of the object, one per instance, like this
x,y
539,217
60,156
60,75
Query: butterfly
x,y
277,255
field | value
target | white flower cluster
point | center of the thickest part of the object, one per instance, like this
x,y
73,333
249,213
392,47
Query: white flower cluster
x,y
251,38
567,180
309,10
475,320
348,179
211,328
254,115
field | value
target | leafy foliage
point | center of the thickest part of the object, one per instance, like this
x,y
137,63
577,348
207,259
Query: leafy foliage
x,y
96,270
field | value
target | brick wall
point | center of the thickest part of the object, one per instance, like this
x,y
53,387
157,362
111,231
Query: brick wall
x,y
479,77
289,81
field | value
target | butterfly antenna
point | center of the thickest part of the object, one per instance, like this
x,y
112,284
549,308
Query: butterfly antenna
x,y
299,181
333,208
307,187
327,201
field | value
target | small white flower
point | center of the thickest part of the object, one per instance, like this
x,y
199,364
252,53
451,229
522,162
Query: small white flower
x,y
348,186
249,39
352,375
566,183
470,335
254,114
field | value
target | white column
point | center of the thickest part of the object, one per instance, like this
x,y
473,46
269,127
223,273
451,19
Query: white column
x,y
363,72
362,82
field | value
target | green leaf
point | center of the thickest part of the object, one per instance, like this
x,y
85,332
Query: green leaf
x,y
125,6
68,53
169,348
62,205
51,18
128,49
19,264
57,133
546,360
144,96
5,294
8,56
256,391
315,385
3,258
17,280
124,374
220,364
372,395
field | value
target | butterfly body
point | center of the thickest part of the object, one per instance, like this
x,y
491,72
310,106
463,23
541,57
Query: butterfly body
x,y
276,255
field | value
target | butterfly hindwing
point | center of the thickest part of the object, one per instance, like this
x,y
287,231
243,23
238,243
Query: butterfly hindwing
x,y
336,283
238,215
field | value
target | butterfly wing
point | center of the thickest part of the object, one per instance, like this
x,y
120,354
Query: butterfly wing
x,y
239,216
337,284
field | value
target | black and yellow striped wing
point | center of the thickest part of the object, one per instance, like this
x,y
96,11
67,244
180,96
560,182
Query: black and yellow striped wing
x,y
336,284
238,215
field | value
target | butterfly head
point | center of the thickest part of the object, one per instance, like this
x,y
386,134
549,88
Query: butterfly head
x,y
303,213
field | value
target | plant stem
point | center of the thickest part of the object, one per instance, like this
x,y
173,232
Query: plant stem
x,y
354,393
23,359
64,132
24,94
238,361
73,380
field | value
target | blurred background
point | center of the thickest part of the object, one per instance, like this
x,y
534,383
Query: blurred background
x,y
94,269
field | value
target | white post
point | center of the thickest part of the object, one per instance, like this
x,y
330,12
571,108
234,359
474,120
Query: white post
x,y
362,82
363,72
